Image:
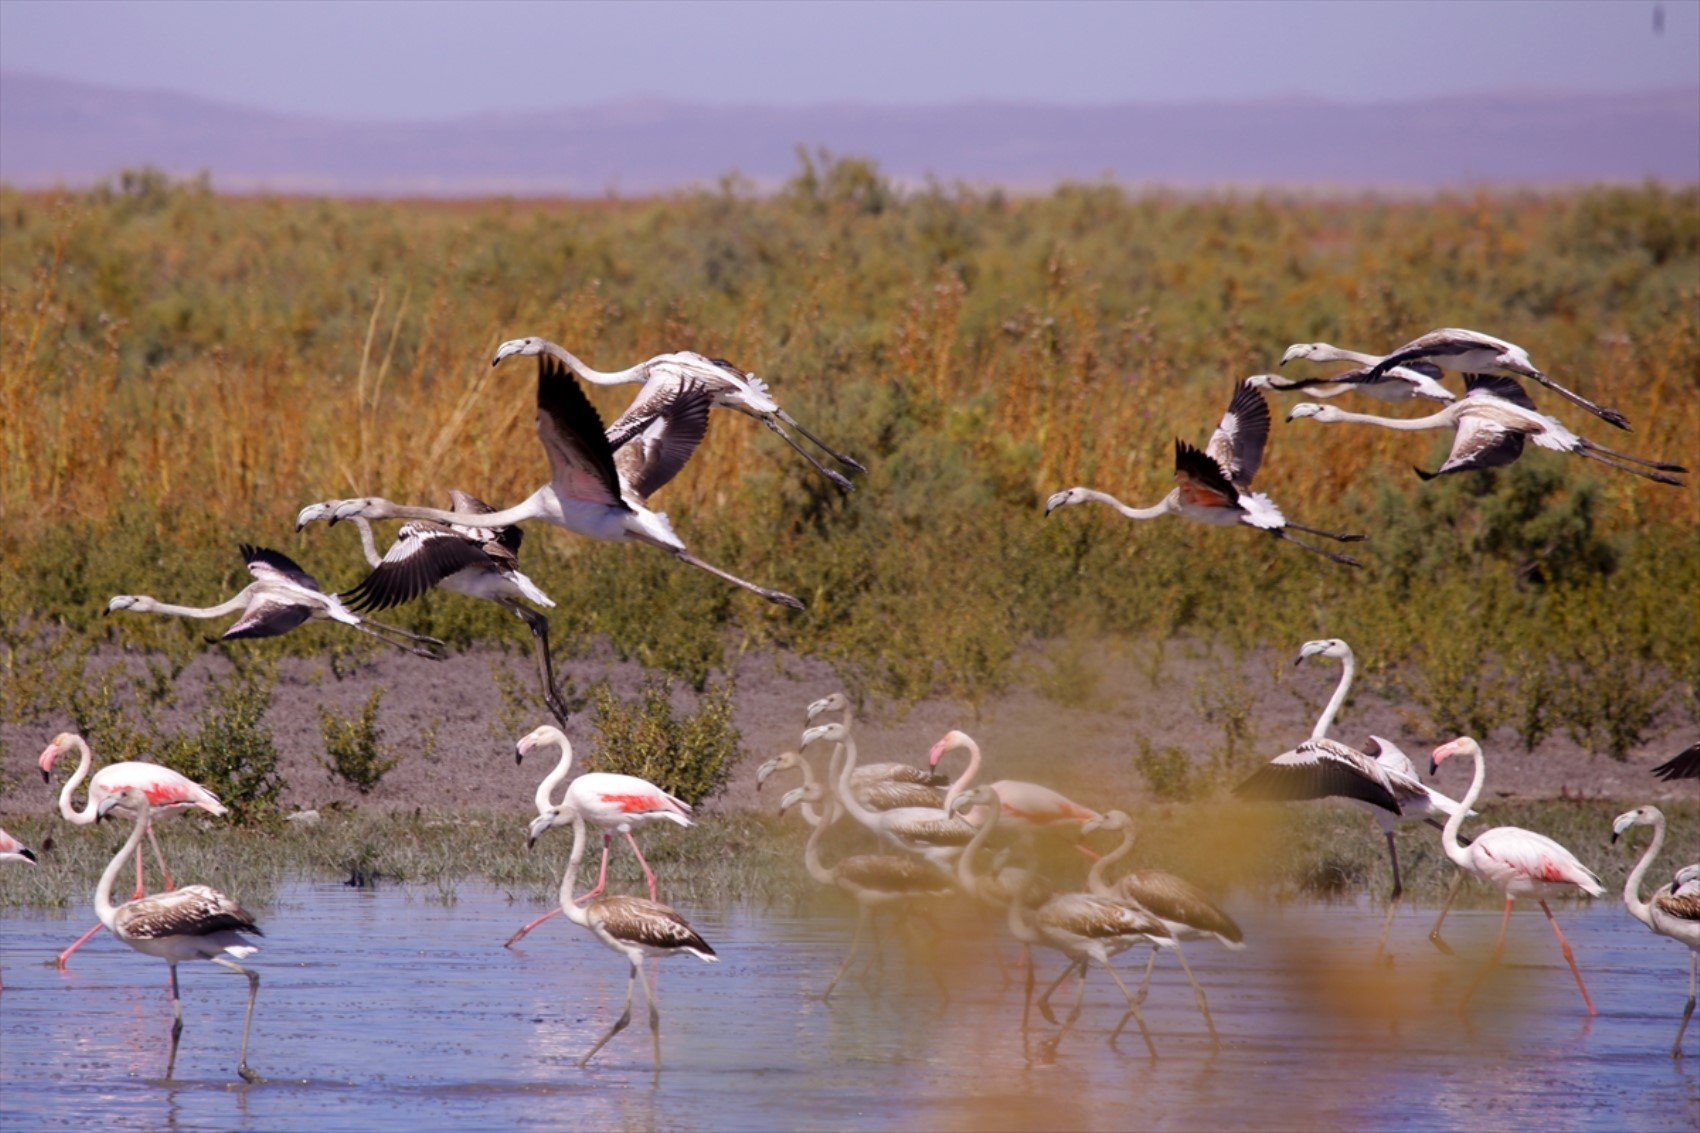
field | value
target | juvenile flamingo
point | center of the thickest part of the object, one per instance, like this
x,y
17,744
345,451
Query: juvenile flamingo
x,y
927,831
193,923
868,774
1671,912
611,803
1028,808
874,791
631,926
1520,863
12,850
167,792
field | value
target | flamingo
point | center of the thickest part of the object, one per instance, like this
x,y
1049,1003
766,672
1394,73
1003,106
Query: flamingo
x,y
1671,912
1214,486
12,850
611,803
869,773
631,926
196,922
1185,910
167,792
1028,808
281,597
874,791
479,562
928,831
1472,352
998,888
1520,863
1683,765
873,881
1491,422
1400,383
590,491
665,374
1084,928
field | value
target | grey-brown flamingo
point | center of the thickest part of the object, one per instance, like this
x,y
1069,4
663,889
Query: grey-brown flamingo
x,y
927,831
1671,912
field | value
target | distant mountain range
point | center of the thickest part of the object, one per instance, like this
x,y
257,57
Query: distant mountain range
x,y
58,132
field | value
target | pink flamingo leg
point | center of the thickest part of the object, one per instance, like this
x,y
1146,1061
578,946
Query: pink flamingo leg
x,y
648,875
1498,950
520,935
602,875
164,869
1571,957
81,940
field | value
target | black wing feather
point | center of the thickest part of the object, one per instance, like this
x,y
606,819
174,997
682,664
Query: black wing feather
x,y
1507,389
1683,766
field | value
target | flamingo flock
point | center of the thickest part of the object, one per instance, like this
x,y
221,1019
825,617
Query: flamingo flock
x,y
932,838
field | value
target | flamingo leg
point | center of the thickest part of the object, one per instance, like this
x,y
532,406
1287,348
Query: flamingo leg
x,y
158,857
1343,560
1688,1011
176,1023
80,941
838,481
246,1074
648,874
1145,983
654,1012
1612,462
619,1024
862,916
366,626
601,875
1133,1008
520,935
1570,957
1393,900
1493,962
848,462
1045,999
1451,896
1198,992
778,596
539,626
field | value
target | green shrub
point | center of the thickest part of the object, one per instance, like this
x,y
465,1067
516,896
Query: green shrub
x,y
689,756
231,752
1167,771
355,751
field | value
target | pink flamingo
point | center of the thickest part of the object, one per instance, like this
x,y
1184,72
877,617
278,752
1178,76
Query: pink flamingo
x,y
611,803
167,793
1519,862
12,850
1027,807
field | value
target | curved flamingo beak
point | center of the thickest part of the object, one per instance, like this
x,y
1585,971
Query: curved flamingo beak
x,y
46,761
937,752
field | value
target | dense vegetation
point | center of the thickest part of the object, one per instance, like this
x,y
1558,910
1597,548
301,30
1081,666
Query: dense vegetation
x,y
180,371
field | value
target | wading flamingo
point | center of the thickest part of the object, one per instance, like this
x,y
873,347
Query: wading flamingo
x,y
589,491
167,792
281,597
874,792
479,562
193,923
1472,352
1670,913
1214,486
1520,863
927,831
614,804
665,374
868,773
1491,423
12,850
631,926
1028,808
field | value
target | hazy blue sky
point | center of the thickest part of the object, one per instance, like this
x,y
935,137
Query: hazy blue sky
x,y
380,59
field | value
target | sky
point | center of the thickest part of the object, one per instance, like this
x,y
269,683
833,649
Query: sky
x,y
387,60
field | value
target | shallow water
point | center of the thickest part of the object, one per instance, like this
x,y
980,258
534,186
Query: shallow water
x,y
388,1009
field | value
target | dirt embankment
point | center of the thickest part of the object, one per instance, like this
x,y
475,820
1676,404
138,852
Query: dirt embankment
x,y
455,730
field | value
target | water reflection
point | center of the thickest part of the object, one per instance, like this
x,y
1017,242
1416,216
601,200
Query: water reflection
x,y
386,1010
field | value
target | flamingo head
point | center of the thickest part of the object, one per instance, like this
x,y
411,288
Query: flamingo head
x,y
836,702
529,345
1111,820
312,513
1065,498
1640,816
784,761
950,741
548,734
829,733
1326,647
1463,745
808,793
976,797
62,743
127,602
129,800
1323,413
559,816
1302,350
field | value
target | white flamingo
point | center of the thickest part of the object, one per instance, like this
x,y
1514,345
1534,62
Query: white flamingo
x,y
665,374
631,926
1214,486
281,597
196,922
479,562
1027,808
1491,423
589,491
614,804
1472,352
167,792
1671,912
1518,862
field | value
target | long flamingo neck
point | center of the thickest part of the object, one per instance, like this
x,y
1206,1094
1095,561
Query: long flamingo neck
x,y
847,797
965,861
1442,420
368,544
1348,667
1332,353
1155,511
1449,835
966,779
532,508
1097,878
546,789
1639,909
596,377
811,850
155,606
570,908
67,811
103,906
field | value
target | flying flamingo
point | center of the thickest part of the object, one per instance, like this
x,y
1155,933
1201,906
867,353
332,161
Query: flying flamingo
x,y
1185,910
1491,422
193,923
1519,862
479,562
1214,486
590,491
611,803
12,850
1400,383
665,374
1684,765
281,597
167,792
927,831
631,926
1028,808
1472,352
873,881
1670,913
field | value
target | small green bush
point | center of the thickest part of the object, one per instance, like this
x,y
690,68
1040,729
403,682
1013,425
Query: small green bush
x,y
355,751
689,756
231,752
1167,771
